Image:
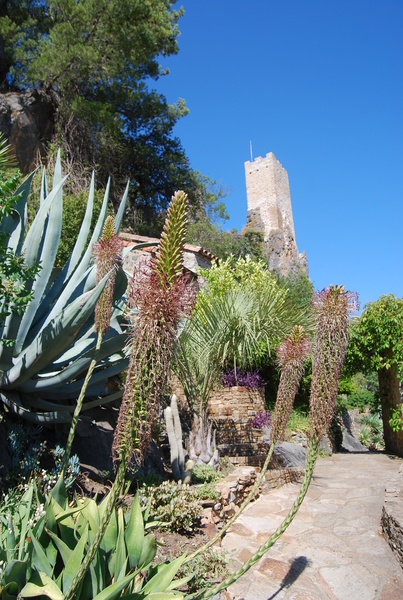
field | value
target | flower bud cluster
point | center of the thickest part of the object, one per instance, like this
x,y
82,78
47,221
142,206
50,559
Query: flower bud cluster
x,y
107,253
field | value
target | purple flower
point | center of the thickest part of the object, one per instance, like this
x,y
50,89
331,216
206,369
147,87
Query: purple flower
x,y
262,420
247,379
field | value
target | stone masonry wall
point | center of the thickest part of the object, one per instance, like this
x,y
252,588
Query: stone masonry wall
x,y
232,410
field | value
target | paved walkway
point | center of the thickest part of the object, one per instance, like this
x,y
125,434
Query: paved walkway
x,y
334,549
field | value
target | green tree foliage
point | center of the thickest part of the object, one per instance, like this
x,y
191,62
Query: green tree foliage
x,y
377,343
96,59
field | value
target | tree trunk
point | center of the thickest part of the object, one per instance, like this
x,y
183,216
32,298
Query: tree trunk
x,y
389,391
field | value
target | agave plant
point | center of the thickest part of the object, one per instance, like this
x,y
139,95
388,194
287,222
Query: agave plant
x,y
44,541
42,373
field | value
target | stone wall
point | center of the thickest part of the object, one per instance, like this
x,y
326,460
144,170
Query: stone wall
x,y
232,410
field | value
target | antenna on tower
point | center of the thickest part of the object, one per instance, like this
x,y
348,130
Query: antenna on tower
x,y
251,155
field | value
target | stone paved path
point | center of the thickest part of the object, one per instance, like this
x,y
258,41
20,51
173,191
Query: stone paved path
x,y
334,549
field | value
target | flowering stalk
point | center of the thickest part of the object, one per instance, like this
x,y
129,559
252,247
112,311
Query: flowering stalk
x,y
332,308
107,254
291,355
161,299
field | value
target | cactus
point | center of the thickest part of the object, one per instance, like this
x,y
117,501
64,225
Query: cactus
x,y
180,470
42,373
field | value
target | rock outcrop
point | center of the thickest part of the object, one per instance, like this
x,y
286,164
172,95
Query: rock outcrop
x,y
27,121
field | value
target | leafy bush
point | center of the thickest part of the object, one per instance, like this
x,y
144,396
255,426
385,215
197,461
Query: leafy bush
x,y
174,505
207,492
299,421
205,568
205,474
371,432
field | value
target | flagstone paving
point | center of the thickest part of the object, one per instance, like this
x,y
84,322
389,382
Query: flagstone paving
x,y
334,549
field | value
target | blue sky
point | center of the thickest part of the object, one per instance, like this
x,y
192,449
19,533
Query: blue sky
x,y
320,84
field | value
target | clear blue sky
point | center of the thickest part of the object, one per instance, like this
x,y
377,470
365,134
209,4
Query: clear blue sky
x,y
320,84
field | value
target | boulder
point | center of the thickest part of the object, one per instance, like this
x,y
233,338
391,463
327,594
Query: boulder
x,y
288,455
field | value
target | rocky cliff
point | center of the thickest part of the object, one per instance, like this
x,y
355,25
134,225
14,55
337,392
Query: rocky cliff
x,y
27,121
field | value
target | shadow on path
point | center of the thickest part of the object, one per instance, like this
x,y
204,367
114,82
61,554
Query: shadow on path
x,y
298,565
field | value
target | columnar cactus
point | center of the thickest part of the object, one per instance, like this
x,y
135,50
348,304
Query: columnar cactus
x,y
180,470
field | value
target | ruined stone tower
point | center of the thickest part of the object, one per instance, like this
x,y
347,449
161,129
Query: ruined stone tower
x,y
269,211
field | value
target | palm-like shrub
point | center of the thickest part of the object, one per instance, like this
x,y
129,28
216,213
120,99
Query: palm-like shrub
x,y
41,374
231,329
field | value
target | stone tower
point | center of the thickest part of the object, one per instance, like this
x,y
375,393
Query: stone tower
x,y
269,211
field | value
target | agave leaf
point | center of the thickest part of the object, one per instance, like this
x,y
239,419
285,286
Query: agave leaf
x,y
96,386
65,551
53,338
109,540
10,591
163,577
148,551
75,368
14,224
74,561
39,559
59,498
47,251
120,552
16,571
34,240
10,539
90,513
41,585
79,246
67,409
44,188
134,534
24,510
57,173
112,591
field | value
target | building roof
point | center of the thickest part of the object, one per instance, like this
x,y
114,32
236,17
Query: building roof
x,y
131,239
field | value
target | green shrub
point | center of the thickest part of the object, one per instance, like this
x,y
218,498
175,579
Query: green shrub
x,y
174,505
205,474
207,492
210,566
299,421
371,433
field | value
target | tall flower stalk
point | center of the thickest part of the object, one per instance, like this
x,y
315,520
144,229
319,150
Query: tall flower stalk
x,y
160,299
332,309
107,253
291,356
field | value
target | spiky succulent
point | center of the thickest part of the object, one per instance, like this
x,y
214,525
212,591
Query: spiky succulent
x,y
42,373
